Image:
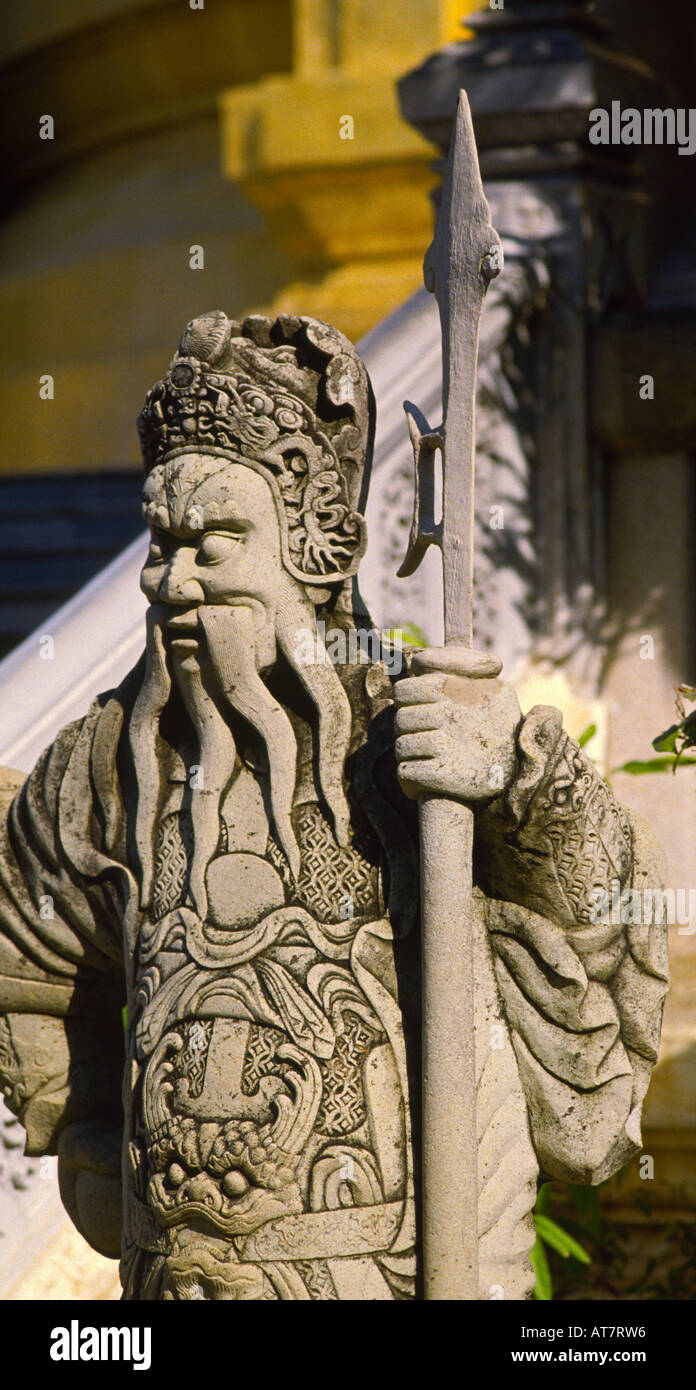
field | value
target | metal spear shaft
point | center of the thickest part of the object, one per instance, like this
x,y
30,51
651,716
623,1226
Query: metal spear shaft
x,y
464,256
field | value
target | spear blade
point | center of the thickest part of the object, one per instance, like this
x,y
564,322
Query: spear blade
x,y
464,256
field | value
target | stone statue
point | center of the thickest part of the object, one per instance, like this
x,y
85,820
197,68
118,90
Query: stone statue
x,y
209,959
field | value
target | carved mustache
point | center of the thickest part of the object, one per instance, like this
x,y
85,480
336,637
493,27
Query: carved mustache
x,y
332,704
143,736
231,636
217,752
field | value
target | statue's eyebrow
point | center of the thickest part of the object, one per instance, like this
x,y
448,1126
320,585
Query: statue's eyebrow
x,y
191,534
239,524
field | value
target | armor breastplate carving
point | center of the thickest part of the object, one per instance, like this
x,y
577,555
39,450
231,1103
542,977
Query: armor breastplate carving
x,y
270,1097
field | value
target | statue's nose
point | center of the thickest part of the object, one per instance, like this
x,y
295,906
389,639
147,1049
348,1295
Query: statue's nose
x,y
179,584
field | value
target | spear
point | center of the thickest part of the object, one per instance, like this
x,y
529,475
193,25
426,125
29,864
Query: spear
x,y
463,258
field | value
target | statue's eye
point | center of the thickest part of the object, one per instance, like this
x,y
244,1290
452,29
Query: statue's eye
x,y
216,547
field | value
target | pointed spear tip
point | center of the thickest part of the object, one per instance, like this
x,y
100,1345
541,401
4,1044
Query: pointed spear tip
x,y
464,150
461,186
463,106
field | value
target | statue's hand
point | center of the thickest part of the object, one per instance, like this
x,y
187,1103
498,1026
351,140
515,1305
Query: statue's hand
x,y
455,733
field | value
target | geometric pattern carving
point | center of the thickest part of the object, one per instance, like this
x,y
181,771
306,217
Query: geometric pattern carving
x,y
342,1108
259,1057
334,883
173,848
588,832
192,1059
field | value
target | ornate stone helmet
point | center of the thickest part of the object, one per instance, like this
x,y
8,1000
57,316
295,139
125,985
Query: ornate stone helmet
x,y
290,398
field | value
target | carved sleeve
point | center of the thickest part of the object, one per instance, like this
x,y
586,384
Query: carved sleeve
x,y
61,974
582,981
556,841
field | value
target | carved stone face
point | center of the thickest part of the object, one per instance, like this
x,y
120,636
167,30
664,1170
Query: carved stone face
x,y
215,540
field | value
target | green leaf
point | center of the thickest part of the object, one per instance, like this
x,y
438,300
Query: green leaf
x,y
543,1198
410,635
586,1203
637,768
689,728
543,1288
559,1240
587,734
667,742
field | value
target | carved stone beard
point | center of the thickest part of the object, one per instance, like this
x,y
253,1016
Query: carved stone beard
x,y
236,647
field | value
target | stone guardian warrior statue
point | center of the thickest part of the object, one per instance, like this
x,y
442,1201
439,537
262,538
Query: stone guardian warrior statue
x,y
227,845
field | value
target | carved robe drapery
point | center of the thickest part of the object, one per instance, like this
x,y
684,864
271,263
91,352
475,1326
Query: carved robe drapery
x,y
267,1077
